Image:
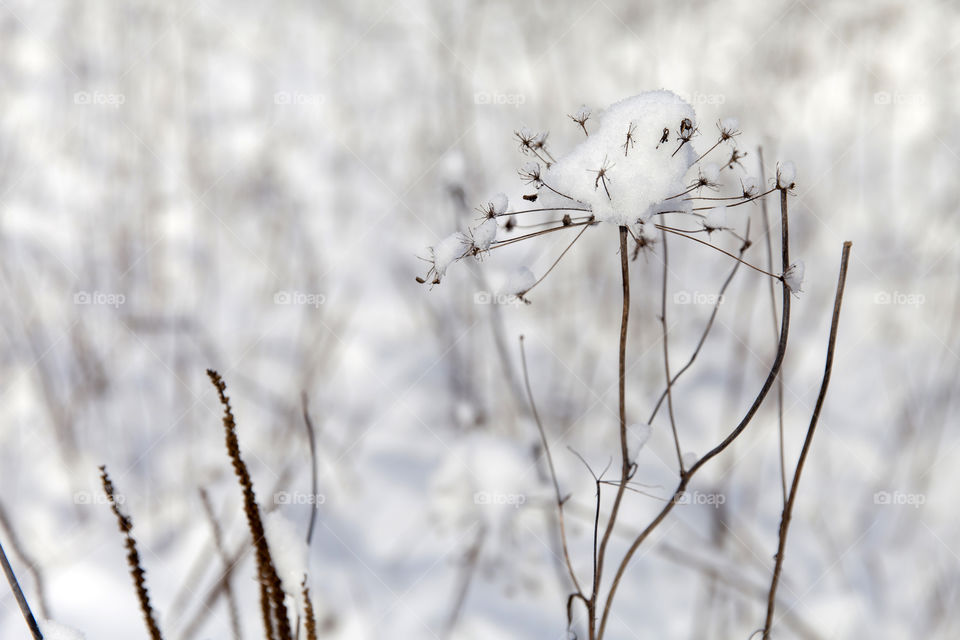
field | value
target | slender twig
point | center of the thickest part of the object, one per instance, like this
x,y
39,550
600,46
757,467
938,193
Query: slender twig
x,y
625,468
504,243
222,553
218,589
555,263
773,309
745,201
733,435
19,597
18,550
704,154
686,234
561,221
314,487
788,508
541,209
133,557
666,350
273,608
471,561
553,471
314,481
706,330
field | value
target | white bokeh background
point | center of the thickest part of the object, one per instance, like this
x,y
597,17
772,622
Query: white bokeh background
x,y
247,186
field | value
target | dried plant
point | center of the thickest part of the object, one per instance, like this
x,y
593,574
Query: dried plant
x,y
644,195
310,623
133,557
273,609
18,595
224,558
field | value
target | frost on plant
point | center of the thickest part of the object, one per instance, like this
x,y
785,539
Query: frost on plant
x,y
793,276
635,165
636,168
637,175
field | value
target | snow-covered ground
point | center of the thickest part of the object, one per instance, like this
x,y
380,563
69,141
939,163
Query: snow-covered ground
x,y
249,186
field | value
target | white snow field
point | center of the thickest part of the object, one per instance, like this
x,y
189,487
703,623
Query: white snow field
x,y
256,187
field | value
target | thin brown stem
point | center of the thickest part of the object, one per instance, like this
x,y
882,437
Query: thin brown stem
x,y
33,567
314,479
704,154
706,330
624,452
745,201
773,310
217,535
534,234
550,466
541,209
555,262
788,508
686,234
19,597
137,572
666,350
733,435
272,606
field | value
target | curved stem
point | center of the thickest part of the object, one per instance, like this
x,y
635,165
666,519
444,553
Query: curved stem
x,y
747,418
666,351
706,330
553,472
788,508
773,311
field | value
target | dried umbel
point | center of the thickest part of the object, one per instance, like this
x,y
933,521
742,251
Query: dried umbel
x,y
636,169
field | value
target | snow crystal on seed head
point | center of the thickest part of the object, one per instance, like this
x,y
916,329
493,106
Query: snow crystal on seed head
x,y
729,125
499,203
786,175
710,171
716,219
446,251
518,282
793,276
639,173
484,234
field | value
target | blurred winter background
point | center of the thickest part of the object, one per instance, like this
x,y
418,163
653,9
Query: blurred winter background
x,y
247,186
